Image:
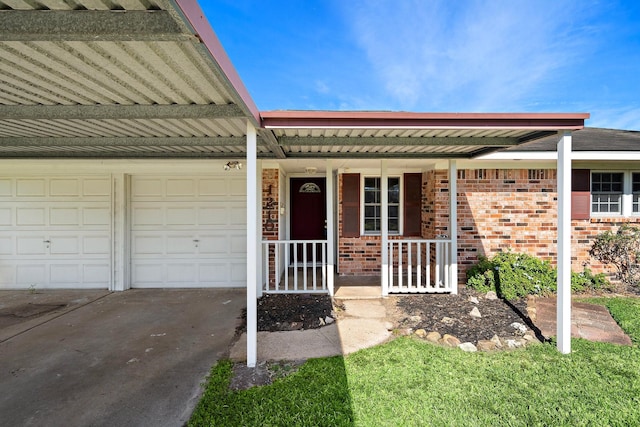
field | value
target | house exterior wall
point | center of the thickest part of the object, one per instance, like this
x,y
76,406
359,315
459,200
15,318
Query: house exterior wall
x,y
498,210
515,209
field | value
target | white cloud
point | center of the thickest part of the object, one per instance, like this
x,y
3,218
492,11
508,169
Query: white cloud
x,y
471,55
616,118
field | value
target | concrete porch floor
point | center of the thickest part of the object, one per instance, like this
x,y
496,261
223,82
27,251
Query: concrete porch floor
x,y
357,287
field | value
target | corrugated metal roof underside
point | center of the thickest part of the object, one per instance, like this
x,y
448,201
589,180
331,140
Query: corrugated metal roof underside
x,y
122,73
388,142
136,54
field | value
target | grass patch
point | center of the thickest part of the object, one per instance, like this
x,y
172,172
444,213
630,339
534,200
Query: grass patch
x,y
408,382
625,311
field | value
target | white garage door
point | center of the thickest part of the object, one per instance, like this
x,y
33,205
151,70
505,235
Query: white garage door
x,y
55,232
188,231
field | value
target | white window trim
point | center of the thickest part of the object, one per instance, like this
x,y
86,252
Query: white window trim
x,y
400,205
627,194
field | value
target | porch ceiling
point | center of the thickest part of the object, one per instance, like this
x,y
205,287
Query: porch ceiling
x,y
118,78
306,134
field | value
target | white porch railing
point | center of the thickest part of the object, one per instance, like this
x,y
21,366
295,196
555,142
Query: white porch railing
x,y
419,266
295,266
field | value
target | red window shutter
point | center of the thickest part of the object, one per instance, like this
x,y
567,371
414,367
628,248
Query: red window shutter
x,y
412,204
351,205
580,194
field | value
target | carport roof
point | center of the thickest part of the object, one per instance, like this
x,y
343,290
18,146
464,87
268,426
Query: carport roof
x,y
134,78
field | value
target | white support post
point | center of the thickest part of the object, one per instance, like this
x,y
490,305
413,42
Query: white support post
x,y
261,278
453,224
563,314
252,247
330,227
384,227
120,280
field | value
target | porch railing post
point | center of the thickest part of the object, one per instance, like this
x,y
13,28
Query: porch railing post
x,y
453,224
384,227
330,269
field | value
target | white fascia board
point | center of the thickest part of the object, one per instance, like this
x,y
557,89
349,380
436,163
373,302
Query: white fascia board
x,y
552,155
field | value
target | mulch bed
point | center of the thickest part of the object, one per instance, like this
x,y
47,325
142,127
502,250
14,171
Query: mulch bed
x,y
450,314
290,312
443,313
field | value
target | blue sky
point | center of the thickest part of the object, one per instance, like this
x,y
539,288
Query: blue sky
x,y
438,55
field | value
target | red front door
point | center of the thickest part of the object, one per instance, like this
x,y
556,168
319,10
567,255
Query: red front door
x,y
308,211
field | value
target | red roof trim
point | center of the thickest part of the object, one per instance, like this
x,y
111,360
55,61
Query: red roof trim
x,y
348,119
204,31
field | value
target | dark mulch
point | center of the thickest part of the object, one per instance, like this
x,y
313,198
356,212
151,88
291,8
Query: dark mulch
x,y
449,314
444,313
289,312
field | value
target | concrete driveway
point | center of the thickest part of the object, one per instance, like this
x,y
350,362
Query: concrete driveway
x,y
96,358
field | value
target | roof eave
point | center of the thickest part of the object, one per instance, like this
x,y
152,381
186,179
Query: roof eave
x,y
204,31
379,119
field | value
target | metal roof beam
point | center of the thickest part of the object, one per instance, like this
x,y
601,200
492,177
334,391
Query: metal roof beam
x,y
219,141
105,112
395,141
90,25
272,143
378,155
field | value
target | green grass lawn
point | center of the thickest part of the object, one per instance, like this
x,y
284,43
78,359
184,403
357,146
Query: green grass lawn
x,y
408,382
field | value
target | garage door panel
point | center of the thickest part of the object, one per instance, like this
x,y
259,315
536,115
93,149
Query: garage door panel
x,y
180,273
238,215
64,216
65,245
238,187
213,187
31,245
96,216
6,187
181,244
31,274
96,245
145,274
181,216
209,272
238,272
96,274
147,216
6,245
193,220
64,187
51,227
31,216
238,244
31,187
6,217
96,187
181,187
65,274
148,245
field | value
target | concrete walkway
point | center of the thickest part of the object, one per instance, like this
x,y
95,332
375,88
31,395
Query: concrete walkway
x,y
589,321
361,325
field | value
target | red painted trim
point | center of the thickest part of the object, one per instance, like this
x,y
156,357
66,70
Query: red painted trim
x,y
203,30
348,119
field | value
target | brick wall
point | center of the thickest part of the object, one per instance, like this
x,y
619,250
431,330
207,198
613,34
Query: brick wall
x,y
502,209
498,209
270,215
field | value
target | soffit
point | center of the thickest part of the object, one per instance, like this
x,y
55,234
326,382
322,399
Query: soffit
x,y
305,134
118,78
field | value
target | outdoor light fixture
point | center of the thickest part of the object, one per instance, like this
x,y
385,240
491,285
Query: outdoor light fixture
x,y
233,165
310,170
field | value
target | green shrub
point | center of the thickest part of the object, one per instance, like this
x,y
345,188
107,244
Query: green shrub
x,y
622,250
515,275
